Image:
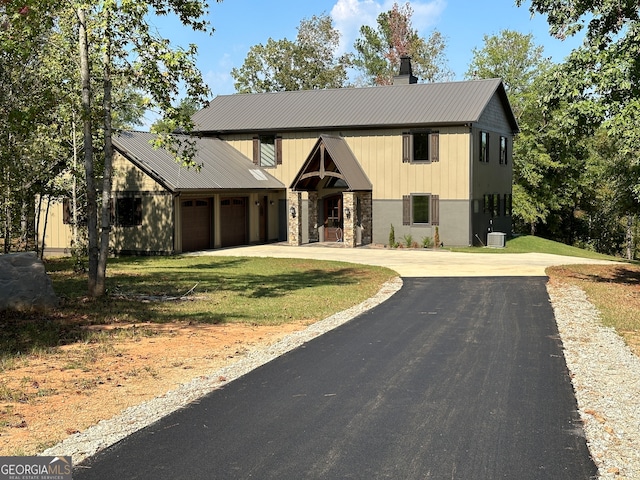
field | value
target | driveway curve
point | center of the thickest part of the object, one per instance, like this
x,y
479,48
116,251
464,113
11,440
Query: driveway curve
x,y
417,262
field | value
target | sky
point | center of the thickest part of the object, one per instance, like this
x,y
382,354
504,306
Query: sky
x,y
241,24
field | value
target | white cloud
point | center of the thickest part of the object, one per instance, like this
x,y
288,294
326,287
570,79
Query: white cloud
x,y
349,15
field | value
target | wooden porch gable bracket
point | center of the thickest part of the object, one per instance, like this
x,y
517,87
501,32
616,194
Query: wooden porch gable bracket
x,y
335,160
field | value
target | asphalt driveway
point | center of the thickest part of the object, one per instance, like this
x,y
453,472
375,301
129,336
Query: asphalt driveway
x,y
451,378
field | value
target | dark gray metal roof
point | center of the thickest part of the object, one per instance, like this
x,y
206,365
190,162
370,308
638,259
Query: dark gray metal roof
x,y
396,105
338,151
223,167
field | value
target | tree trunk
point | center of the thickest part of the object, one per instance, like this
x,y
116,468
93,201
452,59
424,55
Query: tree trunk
x,y
108,163
7,220
92,207
24,226
630,237
44,227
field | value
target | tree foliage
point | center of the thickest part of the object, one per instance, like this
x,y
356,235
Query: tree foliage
x,y
97,66
601,80
309,62
602,77
378,50
515,58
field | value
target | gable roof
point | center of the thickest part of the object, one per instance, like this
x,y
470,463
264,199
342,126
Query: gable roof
x,y
223,167
331,158
450,103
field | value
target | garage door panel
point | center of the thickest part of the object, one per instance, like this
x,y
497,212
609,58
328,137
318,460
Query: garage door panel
x,y
196,224
233,221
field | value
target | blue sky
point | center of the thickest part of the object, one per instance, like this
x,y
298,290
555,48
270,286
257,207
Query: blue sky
x,y
241,24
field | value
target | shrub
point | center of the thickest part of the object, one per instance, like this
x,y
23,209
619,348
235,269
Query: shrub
x,y
408,240
392,238
436,238
427,242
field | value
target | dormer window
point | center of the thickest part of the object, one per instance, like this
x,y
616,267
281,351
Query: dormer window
x,y
267,151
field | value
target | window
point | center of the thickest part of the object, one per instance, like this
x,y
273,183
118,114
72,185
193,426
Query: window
x,y
484,147
420,209
503,150
508,204
128,212
492,204
67,213
267,151
421,147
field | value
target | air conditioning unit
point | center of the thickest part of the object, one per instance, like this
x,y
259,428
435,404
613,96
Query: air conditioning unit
x,y
496,239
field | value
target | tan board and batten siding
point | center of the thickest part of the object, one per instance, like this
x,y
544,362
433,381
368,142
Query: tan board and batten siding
x,y
380,154
223,173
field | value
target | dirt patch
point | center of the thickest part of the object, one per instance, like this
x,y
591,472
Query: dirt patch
x,y
55,395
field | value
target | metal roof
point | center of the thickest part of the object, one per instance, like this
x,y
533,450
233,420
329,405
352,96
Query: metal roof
x,y
346,164
223,167
395,105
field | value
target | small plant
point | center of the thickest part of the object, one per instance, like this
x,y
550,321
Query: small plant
x,y
436,238
408,240
392,238
427,242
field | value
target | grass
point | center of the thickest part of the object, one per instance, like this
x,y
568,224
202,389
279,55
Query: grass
x,y
532,244
615,292
255,291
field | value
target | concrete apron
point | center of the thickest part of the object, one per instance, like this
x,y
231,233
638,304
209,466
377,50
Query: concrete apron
x,y
417,262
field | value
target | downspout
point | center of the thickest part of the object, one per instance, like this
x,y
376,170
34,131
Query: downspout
x,y
471,178
176,201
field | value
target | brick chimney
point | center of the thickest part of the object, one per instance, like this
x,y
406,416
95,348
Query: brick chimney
x,y
406,76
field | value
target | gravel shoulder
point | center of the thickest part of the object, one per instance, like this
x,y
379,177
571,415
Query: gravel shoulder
x,y
606,380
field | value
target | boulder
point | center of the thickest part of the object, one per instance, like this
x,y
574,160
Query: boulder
x,y
24,283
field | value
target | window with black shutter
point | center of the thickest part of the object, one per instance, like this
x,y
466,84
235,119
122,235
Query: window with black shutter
x,y
267,151
420,147
420,209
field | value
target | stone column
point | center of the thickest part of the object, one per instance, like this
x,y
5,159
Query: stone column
x,y
349,219
313,217
294,199
366,217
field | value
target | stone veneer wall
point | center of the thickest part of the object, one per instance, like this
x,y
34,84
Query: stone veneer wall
x,y
349,223
313,217
366,217
295,223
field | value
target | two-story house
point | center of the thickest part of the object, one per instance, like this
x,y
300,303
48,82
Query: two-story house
x,y
323,166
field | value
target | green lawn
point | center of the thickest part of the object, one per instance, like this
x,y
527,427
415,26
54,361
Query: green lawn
x,y
529,244
256,291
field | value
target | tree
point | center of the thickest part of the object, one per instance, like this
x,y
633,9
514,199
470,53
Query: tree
x,y
30,150
187,107
378,51
600,78
311,62
515,58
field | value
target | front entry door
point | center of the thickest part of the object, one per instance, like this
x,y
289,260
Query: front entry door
x,y
333,218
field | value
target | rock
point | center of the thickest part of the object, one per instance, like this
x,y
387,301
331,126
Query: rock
x,y
24,283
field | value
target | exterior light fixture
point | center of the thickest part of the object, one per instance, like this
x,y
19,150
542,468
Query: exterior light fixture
x,y
292,211
257,203
347,212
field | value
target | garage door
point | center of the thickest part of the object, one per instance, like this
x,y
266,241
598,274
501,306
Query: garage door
x,y
233,221
196,224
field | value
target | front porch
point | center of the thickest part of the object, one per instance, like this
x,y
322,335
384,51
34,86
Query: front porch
x,y
352,227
